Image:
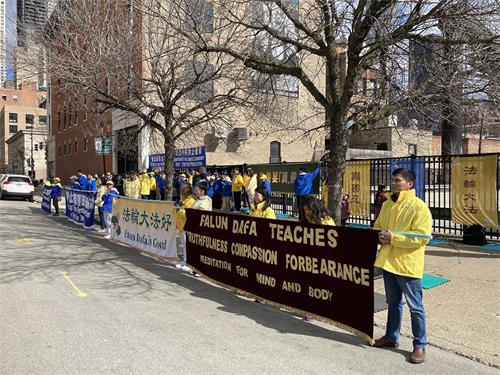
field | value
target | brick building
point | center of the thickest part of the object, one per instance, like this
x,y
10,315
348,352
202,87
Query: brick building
x,y
72,137
19,110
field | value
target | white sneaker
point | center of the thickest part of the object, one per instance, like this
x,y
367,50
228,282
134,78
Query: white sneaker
x,y
108,237
179,265
185,268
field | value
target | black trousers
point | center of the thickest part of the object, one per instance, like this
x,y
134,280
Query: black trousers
x,y
145,197
237,200
217,201
152,195
56,206
245,198
300,203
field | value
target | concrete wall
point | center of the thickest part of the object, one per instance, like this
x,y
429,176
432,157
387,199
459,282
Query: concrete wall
x,y
397,139
20,149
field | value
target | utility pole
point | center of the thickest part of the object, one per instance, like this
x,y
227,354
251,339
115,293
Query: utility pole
x,y
32,160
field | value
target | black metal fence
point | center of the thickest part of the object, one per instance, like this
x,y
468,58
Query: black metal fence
x,y
437,186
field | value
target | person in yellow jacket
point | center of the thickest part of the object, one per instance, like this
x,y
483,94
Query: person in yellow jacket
x,y
261,206
187,200
152,186
236,187
315,212
131,186
405,222
145,185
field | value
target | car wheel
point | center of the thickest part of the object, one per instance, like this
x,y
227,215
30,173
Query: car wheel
x,y
31,199
1,194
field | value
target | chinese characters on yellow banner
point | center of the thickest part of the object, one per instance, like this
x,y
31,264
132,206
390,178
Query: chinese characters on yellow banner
x,y
474,190
147,225
357,185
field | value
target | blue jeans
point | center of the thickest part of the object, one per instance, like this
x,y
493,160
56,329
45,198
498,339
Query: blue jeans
x,y
395,287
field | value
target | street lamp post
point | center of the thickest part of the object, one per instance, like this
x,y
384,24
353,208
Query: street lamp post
x,y
32,160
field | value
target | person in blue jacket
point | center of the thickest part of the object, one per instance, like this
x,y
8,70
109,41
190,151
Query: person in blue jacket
x,y
160,184
82,180
303,187
217,186
75,185
227,193
55,194
265,182
91,183
107,208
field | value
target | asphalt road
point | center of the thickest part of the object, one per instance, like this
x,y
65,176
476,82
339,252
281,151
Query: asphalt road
x,y
74,303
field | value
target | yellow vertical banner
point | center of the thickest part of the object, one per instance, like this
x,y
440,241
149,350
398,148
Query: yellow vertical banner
x,y
357,185
474,190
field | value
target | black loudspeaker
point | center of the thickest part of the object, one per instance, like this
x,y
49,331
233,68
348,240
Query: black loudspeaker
x,y
474,235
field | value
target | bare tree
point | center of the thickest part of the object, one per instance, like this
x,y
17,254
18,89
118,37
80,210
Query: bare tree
x,y
326,47
127,58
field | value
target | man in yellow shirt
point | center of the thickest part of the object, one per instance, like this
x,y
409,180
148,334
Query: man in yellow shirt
x,y
402,259
145,184
131,186
152,186
236,187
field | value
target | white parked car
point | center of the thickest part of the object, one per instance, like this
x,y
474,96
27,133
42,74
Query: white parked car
x,y
16,185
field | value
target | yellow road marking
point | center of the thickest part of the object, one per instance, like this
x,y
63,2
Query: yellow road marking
x,y
25,239
79,293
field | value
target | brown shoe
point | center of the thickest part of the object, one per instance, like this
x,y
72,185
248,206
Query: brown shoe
x,y
418,356
385,342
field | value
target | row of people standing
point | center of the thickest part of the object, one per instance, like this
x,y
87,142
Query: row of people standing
x,y
144,185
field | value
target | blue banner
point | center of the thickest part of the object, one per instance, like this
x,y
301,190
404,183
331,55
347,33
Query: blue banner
x,y
80,206
46,199
416,165
184,158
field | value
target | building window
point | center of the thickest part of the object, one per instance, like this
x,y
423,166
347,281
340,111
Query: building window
x,y
200,16
42,120
76,147
70,114
412,149
12,129
69,148
14,98
4,97
13,118
275,152
59,150
30,120
199,75
85,115
85,144
65,118
382,146
64,149
59,120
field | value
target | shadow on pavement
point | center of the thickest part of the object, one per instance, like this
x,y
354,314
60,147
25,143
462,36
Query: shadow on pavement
x,y
265,315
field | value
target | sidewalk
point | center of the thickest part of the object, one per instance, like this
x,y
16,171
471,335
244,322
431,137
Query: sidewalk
x,y
463,315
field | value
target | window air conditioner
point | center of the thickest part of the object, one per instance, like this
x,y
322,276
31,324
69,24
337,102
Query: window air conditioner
x,y
242,134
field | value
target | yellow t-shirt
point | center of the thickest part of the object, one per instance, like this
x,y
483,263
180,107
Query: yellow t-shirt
x,y
237,183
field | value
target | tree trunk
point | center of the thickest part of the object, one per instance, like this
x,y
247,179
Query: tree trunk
x,y
169,162
337,162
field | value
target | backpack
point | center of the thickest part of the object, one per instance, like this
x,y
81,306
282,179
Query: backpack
x,y
474,235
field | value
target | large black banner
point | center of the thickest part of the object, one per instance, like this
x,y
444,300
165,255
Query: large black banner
x,y
321,270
